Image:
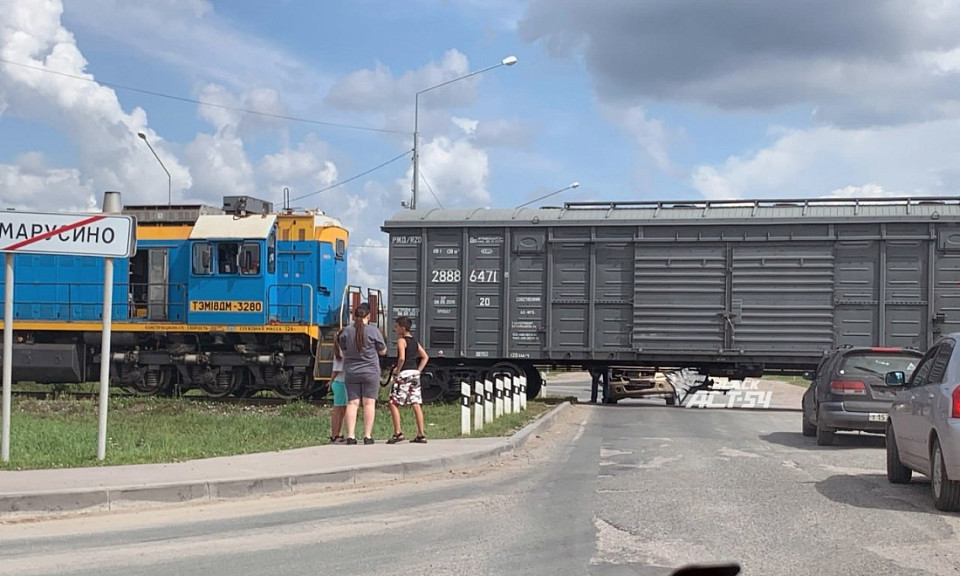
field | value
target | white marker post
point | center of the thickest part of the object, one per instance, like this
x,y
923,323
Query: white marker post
x,y
508,395
478,406
515,390
464,409
498,395
487,402
523,392
107,236
504,388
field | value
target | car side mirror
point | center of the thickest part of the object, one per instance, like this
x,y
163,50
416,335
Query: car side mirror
x,y
897,378
808,376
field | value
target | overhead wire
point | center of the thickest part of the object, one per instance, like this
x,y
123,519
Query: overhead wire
x,y
430,188
242,110
352,178
204,103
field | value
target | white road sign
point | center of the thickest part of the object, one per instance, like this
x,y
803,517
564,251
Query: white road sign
x,y
105,235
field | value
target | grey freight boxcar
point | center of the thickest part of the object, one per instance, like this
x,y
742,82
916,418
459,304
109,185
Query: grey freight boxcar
x,y
730,288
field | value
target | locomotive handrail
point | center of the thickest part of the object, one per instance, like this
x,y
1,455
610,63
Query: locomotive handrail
x,y
345,302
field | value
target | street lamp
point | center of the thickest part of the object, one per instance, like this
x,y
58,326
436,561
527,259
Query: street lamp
x,y
570,187
169,181
508,61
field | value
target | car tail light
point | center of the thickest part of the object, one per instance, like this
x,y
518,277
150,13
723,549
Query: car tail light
x,y
855,387
955,404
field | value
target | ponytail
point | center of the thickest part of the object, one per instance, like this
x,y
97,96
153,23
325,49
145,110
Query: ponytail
x,y
336,346
359,314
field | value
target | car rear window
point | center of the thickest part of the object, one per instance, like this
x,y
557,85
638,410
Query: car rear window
x,y
878,364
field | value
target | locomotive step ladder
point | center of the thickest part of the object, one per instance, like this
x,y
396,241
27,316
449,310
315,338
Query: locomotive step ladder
x,y
323,359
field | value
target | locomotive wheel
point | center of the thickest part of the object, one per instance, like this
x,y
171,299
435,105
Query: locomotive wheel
x,y
244,388
227,381
291,387
154,382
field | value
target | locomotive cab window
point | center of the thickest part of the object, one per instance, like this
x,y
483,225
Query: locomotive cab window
x,y
202,259
250,259
341,248
228,257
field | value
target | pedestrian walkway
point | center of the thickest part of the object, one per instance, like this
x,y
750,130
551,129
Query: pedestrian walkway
x,y
103,488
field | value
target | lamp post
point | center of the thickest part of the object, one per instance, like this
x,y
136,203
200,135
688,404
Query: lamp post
x,y
169,180
508,61
570,187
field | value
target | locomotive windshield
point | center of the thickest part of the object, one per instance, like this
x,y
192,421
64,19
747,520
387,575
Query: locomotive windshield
x,y
250,259
202,259
227,261
231,258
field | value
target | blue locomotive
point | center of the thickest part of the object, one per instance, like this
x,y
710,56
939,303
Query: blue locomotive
x,y
229,300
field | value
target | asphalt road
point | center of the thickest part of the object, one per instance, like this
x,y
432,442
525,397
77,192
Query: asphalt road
x,y
632,489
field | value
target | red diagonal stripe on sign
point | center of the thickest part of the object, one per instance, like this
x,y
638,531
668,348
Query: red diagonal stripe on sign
x,y
52,233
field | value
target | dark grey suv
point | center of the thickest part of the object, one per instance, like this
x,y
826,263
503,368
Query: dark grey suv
x,y
847,391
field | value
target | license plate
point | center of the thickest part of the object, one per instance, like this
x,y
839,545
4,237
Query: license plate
x,y
878,417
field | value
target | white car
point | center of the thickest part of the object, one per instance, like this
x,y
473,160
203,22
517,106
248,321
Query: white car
x,y
923,431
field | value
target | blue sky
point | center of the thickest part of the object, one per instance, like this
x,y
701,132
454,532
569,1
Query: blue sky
x,y
634,99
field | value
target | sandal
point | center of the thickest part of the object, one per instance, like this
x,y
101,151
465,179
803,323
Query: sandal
x,y
420,440
396,438
338,439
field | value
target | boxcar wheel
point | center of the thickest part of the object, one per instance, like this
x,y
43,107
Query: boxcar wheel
x,y
534,381
431,384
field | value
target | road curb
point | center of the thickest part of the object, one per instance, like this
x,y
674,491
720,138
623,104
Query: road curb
x,y
530,430
18,506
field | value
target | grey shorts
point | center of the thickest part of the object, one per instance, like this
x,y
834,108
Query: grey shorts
x,y
363,386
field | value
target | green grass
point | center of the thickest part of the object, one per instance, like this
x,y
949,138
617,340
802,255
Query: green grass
x,y
795,380
62,433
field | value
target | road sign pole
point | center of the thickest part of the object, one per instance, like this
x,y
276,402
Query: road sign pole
x,y
111,204
7,356
109,235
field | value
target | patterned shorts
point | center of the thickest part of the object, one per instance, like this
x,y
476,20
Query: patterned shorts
x,y
406,388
